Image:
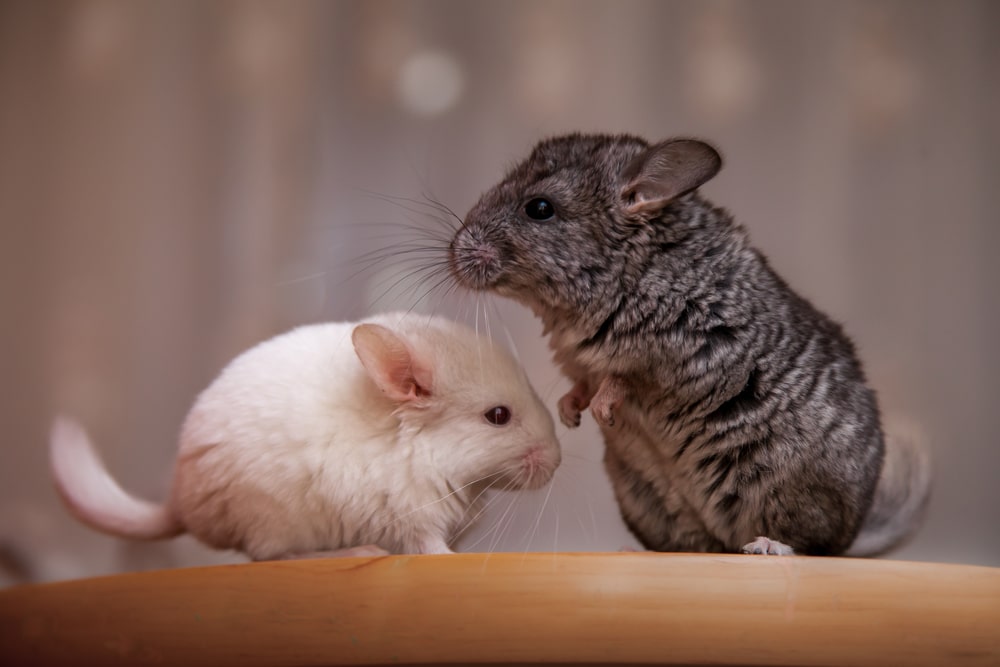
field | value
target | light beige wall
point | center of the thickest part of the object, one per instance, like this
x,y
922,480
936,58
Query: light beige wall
x,y
179,180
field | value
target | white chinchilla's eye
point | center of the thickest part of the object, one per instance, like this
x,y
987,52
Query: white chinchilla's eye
x,y
498,416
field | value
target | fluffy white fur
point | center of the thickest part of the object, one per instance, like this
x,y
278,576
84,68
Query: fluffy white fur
x,y
334,436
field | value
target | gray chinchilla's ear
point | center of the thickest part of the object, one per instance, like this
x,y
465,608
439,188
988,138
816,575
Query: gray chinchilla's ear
x,y
665,171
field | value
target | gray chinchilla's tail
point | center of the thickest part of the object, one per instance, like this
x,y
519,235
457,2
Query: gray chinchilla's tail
x,y
901,496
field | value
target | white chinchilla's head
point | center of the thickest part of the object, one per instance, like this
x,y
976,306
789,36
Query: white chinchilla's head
x,y
465,405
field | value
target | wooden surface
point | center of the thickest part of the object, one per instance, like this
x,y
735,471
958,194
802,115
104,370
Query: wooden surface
x,y
516,608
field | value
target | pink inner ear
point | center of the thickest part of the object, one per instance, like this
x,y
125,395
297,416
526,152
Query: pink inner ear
x,y
666,170
404,383
391,364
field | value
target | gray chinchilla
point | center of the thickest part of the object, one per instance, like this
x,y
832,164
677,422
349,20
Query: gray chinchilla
x,y
736,415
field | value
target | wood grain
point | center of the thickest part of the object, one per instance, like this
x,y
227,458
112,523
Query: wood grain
x,y
516,608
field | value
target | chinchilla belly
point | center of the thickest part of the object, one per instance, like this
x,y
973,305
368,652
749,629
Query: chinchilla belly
x,y
651,496
702,487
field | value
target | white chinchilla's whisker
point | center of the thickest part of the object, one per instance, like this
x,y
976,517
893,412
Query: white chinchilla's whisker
x,y
441,499
548,391
453,492
496,495
505,522
487,531
495,528
584,530
495,532
467,522
495,498
577,457
503,526
573,477
593,520
561,480
569,477
555,540
541,513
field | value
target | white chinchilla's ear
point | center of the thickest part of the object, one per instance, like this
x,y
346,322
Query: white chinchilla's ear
x,y
391,364
665,171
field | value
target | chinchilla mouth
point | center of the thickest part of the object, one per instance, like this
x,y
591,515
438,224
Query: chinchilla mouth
x,y
475,264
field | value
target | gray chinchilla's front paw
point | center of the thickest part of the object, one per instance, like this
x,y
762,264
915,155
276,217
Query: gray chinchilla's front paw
x,y
608,399
569,410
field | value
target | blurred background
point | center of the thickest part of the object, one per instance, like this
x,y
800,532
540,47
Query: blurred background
x,y
180,179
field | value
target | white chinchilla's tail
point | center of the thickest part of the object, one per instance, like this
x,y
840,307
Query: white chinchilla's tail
x,y
902,494
94,497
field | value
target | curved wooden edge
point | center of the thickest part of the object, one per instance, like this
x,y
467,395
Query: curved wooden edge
x,y
516,608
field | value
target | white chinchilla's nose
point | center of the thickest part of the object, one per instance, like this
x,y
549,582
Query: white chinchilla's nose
x,y
539,463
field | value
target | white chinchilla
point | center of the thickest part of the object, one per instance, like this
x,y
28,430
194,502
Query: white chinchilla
x,y
308,444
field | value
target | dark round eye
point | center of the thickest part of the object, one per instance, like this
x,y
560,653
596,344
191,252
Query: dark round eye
x,y
498,416
539,209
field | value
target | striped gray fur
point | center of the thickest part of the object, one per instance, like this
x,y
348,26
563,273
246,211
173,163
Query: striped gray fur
x,y
745,411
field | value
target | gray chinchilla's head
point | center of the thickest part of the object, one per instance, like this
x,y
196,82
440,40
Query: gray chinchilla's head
x,y
564,225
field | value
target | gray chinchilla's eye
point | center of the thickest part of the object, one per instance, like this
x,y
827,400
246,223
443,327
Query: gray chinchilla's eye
x,y
540,209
